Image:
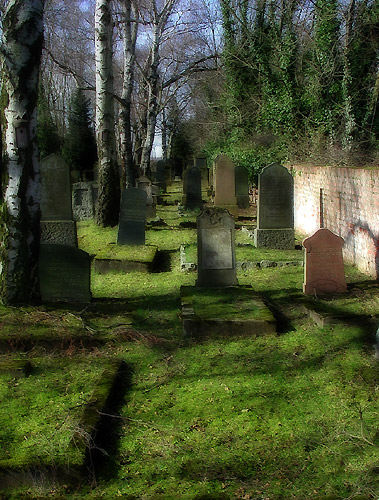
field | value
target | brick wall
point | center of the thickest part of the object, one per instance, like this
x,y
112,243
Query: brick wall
x,y
346,201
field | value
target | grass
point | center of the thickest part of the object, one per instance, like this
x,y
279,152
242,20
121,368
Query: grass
x,y
275,417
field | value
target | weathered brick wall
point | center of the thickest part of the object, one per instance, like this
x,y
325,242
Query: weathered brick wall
x,y
346,201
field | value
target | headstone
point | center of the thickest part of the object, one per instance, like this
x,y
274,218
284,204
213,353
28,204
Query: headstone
x,y
216,248
201,163
64,274
224,182
324,270
275,226
158,171
84,197
55,189
192,188
242,187
144,183
131,229
57,225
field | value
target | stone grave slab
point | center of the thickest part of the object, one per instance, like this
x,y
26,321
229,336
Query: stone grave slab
x,y
242,187
224,312
323,264
275,218
192,188
224,182
216,248
131,229
64,274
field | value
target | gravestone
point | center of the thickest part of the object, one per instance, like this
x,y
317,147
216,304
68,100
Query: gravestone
x,y
242,187
224,182
158,171
324,270
64,274
192,188
201,163
84,198
57,224
131,229
144,184
216,248
275,226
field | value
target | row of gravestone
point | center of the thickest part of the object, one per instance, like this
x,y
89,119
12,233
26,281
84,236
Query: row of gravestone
x,y
324,270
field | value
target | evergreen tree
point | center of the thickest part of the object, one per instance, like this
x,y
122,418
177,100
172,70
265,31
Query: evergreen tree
x,y
79,149
47,133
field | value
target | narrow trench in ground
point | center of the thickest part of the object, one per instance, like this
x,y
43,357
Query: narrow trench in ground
x,y
102,454
162,262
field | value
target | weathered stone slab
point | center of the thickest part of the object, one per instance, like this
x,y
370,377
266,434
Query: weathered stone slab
x,y
64,274
131,229
192,188
242,187
216,248
84,198
275,208
224,182
323,269
55,189
224,312
59,232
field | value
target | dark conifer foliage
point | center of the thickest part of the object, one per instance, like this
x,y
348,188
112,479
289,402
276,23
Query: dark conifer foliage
x,y
79,149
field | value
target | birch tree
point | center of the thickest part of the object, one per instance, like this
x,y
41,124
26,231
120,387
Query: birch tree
x,y
109,185
20,208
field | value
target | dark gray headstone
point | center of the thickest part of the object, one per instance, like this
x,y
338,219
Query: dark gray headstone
x,y
131,229
55,189
159,174
64,274
275,198
201,163
192,186
216,248
242,187
275,224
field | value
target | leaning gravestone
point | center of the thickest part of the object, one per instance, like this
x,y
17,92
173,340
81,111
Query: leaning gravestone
x,y
192,188
131,229
57,225
324,270
216,248
224,182
275,226
242,187
64,274
144,183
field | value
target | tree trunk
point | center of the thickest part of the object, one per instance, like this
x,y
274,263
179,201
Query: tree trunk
x,y
20,217
129,34
109,184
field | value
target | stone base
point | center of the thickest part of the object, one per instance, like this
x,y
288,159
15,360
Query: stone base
x,y
224,312
324,287
59,232
281,239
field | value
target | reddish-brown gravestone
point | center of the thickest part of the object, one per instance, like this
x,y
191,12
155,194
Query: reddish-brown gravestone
x,y
324,271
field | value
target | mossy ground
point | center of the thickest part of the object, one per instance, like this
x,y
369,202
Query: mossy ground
x,y
276,417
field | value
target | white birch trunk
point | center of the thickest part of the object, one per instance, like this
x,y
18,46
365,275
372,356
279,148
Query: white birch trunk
x,y
129,34
21,54
109,189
